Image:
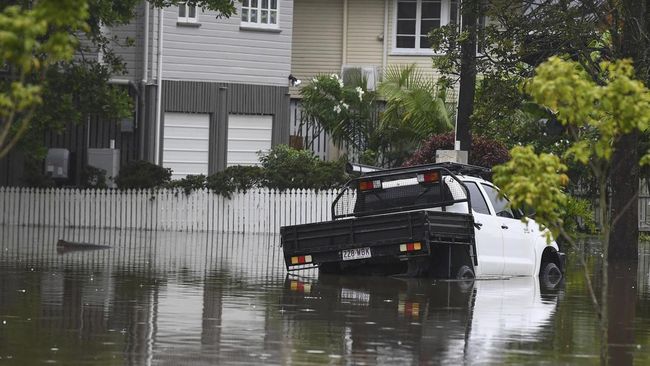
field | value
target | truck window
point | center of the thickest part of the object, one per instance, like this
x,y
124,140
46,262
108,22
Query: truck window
x,y
402,197
501,205
478,201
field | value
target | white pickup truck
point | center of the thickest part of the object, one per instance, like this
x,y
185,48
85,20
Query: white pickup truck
x,y
440,220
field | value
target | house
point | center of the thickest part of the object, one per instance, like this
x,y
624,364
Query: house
x,y
333,36
208,92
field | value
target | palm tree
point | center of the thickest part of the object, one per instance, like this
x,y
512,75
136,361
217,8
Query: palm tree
x,y
413,104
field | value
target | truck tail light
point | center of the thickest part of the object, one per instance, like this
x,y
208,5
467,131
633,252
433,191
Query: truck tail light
x,y
429,177
409,309
299,286
369,185
410,247
301,259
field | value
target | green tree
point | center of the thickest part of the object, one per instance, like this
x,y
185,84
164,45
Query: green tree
x,y
596,116
31,40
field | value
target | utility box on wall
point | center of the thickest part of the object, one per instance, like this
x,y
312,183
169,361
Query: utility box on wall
x,y
107,160
57,162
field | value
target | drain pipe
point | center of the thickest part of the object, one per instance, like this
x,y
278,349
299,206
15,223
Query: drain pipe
x,y
384,54
142,105
159,87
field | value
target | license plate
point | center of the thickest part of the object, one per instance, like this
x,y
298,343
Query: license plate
x,y
357,253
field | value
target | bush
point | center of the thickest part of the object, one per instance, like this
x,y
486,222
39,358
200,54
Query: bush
x,y
288,168
189,183
235,178
143,174
93,178
485,152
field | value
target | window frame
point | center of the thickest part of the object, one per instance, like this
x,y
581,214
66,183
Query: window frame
x,y
259,25
515,215
187,19
445,6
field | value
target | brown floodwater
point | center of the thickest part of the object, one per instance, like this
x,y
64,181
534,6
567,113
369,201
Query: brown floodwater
x,y
225,299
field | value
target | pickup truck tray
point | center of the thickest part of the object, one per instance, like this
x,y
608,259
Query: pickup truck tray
x,y
384,234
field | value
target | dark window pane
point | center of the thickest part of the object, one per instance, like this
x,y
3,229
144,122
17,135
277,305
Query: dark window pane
x,y
424,42
192,11
427,25
181,11
254,3
265,4
406,9
478,201
431,9
405,42
245,3
244,15
500,204
453,12
253,16
274,4
406,27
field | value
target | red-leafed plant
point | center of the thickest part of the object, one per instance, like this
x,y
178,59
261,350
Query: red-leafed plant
x,y
485,151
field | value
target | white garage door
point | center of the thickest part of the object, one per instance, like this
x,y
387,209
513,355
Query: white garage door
x,y
185,143
248,134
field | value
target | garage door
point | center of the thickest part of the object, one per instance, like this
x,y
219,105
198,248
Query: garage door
x,y
248,134
185,143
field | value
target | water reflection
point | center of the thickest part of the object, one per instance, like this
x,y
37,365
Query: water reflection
x,y
208,298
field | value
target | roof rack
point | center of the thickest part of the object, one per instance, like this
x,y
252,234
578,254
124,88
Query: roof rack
x,y
456,168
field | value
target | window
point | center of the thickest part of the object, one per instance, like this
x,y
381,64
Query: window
x,y
416,18
501,205
260,13
476,198
187,13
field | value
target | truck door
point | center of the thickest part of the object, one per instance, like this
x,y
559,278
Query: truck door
x,y
518,251
488,235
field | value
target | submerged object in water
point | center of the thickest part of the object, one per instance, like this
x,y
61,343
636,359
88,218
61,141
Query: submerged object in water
x,y
64,245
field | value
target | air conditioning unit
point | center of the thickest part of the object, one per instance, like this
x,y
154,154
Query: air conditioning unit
x,y
351,74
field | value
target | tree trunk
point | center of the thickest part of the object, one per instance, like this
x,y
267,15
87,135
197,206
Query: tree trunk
x,y
624,176
470,13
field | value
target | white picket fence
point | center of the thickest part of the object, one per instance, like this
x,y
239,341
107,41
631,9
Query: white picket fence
x,y
256,211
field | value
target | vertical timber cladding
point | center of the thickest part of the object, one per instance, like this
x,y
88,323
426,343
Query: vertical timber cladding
x,y
220,100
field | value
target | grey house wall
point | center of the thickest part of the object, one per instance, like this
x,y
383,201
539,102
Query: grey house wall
x,y
220,100
220,50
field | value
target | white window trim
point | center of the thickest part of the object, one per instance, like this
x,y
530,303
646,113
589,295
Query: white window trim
x,y
187,18
259,25
444,20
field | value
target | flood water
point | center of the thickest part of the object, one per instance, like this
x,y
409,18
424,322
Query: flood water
x,y
225,299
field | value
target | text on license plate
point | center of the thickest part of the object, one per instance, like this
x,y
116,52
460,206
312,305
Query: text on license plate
x,y
357,253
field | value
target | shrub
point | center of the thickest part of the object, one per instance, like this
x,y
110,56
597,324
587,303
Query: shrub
x,y
235,178
143,174
189,183
485,152
93,178
288,168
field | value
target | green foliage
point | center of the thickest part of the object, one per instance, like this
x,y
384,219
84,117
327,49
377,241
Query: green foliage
x,y
344,111
32,39
143,175
412,104
535,180
189,183
93,178
578,216
349,113
596,115
287,168
235,178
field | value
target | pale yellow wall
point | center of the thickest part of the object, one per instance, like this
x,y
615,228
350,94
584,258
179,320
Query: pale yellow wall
x,y
317,38
365,29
